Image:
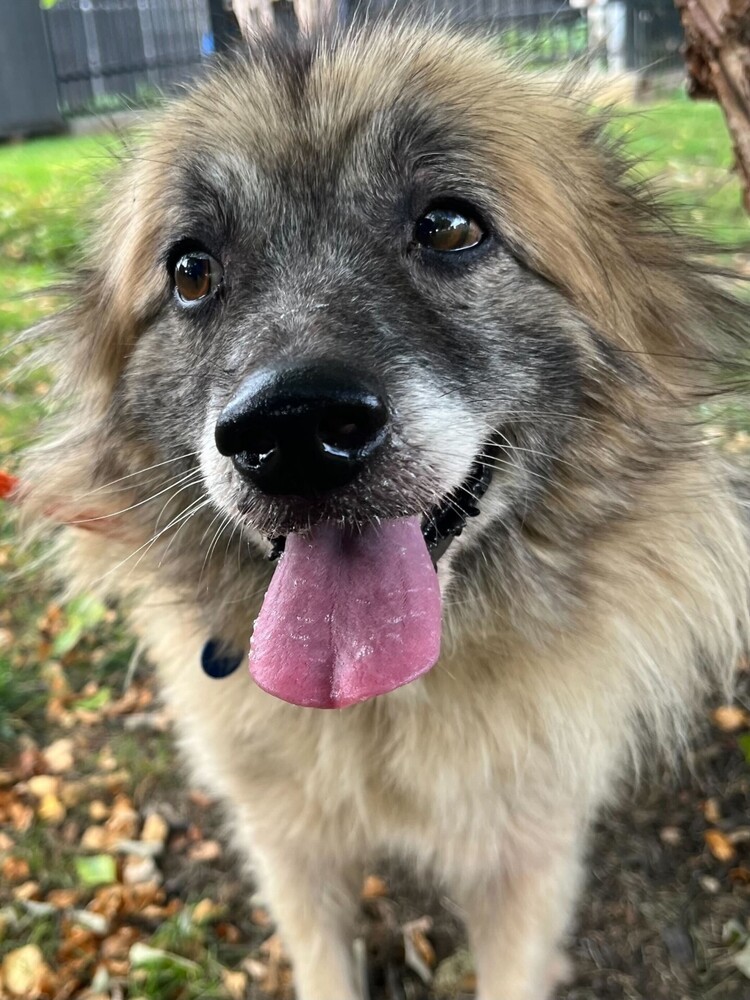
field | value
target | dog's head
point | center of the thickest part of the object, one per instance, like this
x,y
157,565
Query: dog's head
x,y
387,280
342,317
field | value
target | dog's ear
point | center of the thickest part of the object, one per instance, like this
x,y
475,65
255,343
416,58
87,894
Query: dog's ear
x,y
121,283
589,223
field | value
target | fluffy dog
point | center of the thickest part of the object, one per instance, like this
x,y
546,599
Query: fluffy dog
x,y
386,302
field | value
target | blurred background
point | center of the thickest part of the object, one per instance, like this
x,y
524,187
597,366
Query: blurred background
x,y
75,57
115,878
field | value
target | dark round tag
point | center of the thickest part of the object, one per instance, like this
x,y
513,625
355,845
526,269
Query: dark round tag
x,y
219,662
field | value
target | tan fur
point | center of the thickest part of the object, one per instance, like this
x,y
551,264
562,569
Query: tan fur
x,y
487,771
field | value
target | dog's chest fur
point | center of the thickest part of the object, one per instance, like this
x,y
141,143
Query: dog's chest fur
x,y
439,772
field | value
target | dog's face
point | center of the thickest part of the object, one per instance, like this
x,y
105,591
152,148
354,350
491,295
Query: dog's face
x,y
345,328
387,280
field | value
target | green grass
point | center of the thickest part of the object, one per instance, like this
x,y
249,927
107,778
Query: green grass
x,y
45,187
540,48
685,145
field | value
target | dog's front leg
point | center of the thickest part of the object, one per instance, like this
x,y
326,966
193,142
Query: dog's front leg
x,y
314,899
516,920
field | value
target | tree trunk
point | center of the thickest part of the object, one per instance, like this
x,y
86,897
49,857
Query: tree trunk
x,y
717,53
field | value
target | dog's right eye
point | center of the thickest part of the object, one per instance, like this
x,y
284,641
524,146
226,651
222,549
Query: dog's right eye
x,y
197,275
448,228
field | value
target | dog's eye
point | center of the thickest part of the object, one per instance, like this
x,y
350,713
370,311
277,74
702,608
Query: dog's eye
x,y
447,229
196,276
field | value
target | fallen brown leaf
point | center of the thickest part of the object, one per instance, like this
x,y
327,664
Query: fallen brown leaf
x,y
133,702
29,761
138,897
14,811
719,845
77,942
91,921
63,899
730,718
115,782
27,890
374,887
108,900
418,930
137,870
277,977
58,756
117,945
106,760
40,785
123,819
205,850
260,917
56,680
98,810
228,932
24,972
158,914
118,968
15,869
155,829
155,722
711,811
21,816
94,839
255,969
235,983
51,810
206,910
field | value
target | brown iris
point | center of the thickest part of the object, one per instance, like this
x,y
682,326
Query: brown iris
x,y
447,229
196,276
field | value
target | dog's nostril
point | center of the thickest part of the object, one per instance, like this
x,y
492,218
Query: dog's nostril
x,y
349,429
260,444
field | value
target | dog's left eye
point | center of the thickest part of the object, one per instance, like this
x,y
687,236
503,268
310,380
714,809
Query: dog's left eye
x,y
447,229
196,276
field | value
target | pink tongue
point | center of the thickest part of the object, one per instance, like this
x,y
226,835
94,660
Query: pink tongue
x,y
348,616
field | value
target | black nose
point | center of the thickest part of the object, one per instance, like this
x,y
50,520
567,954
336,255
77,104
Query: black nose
x,y
303,430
